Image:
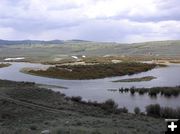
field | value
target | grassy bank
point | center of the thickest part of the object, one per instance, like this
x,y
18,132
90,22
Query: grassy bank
x,y
147,78
93,71
4,65
26,108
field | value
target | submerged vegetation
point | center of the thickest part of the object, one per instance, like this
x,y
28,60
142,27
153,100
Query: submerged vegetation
x,y
154,91
4,65
93,71
146,78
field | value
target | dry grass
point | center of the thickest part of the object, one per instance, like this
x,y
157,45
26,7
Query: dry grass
x,y
93,71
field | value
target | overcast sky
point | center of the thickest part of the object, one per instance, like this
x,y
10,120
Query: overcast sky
x,y
96,20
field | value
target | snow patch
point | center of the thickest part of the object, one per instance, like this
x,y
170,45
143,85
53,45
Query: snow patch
x,y
10,59
75,57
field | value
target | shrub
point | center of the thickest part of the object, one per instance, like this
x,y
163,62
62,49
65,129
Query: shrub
x,y
132,90
67,98
137,110
178,112
94,103
96,132
142,91
167,112
153,92
121,110
121,90
76,98
33,127
109,105
125,110
153,110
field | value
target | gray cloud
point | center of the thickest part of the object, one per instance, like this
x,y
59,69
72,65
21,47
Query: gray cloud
x,y
98,20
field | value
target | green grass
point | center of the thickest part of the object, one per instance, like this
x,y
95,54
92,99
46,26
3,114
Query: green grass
x,y
147,78
93,71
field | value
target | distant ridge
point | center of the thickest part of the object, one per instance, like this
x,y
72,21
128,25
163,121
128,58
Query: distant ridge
x,y
29,42
78,40
50,42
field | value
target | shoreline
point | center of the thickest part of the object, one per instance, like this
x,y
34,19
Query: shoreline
x,y
41,109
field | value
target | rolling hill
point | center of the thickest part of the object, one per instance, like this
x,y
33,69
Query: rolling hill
x,y
59,49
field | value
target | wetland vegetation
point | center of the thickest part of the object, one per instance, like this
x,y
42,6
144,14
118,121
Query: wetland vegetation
x,y
4,65
146,78
154,91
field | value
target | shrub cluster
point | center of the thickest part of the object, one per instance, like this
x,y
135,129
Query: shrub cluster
x,y
109,105
76,98
165,91
156,110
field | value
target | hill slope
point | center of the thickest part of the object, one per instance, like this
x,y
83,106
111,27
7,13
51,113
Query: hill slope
x,y
57,50
28,109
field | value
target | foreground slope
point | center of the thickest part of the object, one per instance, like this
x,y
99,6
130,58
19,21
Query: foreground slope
x,y
26,108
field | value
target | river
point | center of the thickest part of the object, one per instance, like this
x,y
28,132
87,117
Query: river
x,y
97,89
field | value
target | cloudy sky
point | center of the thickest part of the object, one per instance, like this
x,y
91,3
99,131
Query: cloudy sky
x,y
96,20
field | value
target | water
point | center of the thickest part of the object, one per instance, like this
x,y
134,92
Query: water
x,y
96,90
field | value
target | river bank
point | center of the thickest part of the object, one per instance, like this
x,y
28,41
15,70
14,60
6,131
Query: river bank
x,y
30,109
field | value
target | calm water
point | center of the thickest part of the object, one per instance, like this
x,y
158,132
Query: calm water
x,y
97,89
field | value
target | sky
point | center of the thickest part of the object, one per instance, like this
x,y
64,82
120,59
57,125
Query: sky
x,y
95,20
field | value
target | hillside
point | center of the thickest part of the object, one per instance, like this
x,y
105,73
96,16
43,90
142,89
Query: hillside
x,y
28,109
57,50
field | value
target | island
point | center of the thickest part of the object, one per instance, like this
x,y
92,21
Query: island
x,y
95,71
4,65
146,78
